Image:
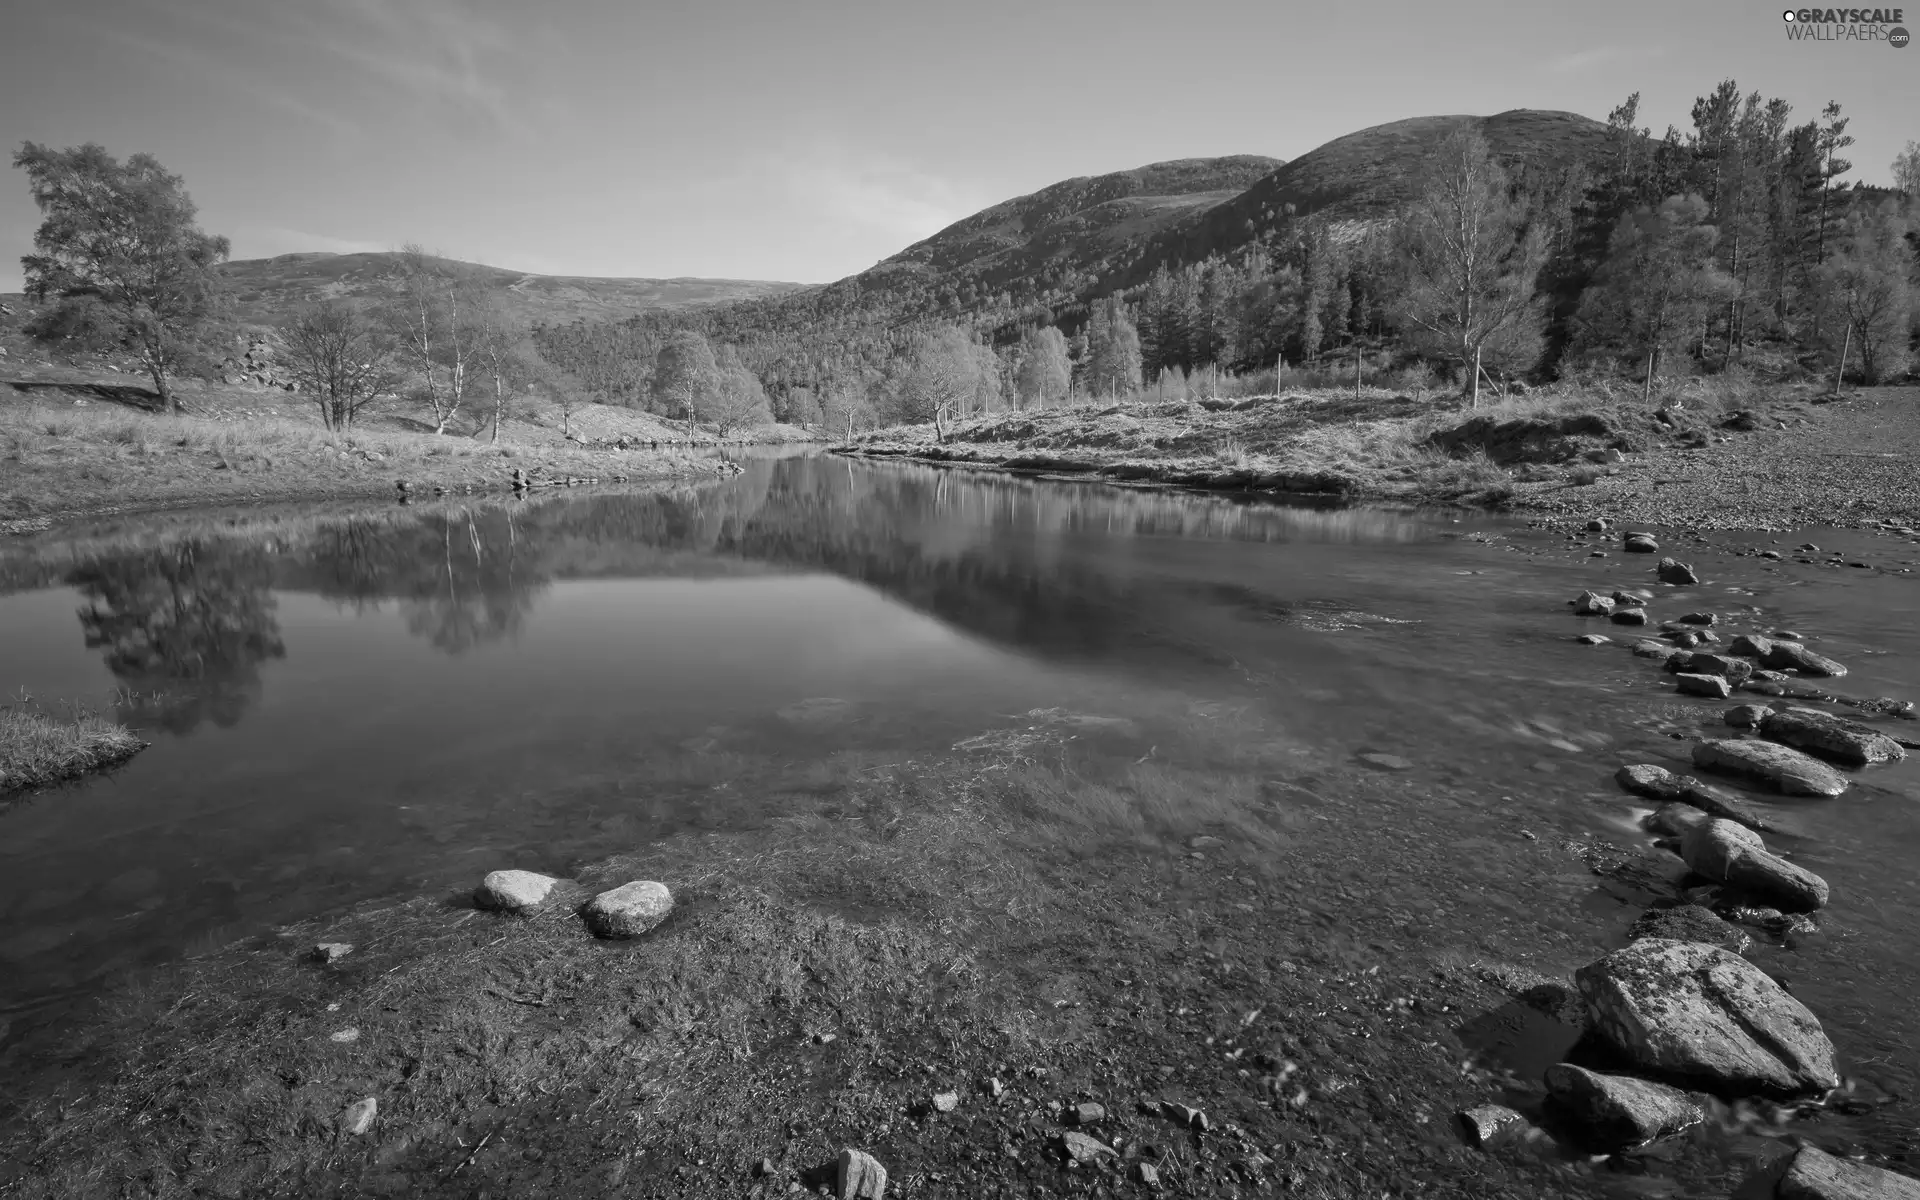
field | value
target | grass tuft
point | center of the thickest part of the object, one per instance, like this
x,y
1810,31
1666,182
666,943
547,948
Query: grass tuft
x,y
37,749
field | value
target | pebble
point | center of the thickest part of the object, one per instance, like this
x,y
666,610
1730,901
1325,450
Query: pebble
x,y
1088,1114
343,1036
946,1102
358,1117
1081,1148
1593,639
332,952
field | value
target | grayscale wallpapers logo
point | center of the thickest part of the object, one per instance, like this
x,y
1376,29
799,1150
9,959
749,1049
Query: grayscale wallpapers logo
x,y
1847,25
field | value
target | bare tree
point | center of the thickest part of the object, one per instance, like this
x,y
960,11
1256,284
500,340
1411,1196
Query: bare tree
x,y
435,310
1470,254
503,352
341,359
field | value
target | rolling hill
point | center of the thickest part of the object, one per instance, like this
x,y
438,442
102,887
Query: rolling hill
x,y
263,288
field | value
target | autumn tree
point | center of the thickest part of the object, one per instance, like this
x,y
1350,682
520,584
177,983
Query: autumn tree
x,y
1866,294
1045,374
120,239
1469,253
685,375
947,375
1658,281
1113,350
342,360
737,400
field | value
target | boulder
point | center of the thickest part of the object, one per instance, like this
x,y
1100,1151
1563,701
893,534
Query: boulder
x,y
1699,618
1835,739
1639,543
513,891
1736,856
1750,645
1746,716
1592,604
1782,768
1792,656
1817,1175
1598,525
1696,1012
1704,685
859,1176
1685,639
1628,616
628,910
1690,923
1671,570
1617,1112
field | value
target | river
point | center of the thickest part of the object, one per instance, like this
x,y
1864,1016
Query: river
x,y
393,703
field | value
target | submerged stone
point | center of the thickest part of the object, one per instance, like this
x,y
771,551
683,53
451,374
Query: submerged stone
x,y
1713,686
1692,1011
1690,923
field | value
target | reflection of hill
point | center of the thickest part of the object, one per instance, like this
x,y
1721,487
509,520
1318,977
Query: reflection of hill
x,y
1049,568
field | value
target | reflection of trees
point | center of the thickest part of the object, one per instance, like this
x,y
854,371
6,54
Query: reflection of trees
x,y
463,576
184,628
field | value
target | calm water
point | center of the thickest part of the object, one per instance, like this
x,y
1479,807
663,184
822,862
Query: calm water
x,y
345,709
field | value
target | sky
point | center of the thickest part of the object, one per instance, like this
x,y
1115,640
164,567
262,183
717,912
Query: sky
x,y
806,140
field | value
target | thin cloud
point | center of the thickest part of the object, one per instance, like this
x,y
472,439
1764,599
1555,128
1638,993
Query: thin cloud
x,y
1601,56
210,67
274,240
875,193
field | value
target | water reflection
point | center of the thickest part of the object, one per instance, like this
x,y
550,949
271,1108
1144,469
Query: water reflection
x,y
184,629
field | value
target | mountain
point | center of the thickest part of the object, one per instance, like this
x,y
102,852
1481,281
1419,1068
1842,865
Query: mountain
x,y
1061,227
1065,244
266,288
1365,174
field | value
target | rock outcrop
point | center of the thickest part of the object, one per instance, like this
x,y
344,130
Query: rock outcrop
x,y
1817,1175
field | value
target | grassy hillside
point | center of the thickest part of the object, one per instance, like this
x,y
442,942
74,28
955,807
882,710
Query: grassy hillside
x,y
264,287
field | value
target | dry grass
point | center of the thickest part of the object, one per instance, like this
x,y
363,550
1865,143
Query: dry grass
x,y
37,748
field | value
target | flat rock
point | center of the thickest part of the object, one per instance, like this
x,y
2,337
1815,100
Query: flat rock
x,y
1714,686
1699,618
1750,645
1783,656
1690,923
1387,762
513,891
628,910
1736,856
1836,739
1655,783
1697,1012
1700,662
859,1176
1817,1175
1616,1111
1593,639
1081,1148
1628,616
1649,648
1780,767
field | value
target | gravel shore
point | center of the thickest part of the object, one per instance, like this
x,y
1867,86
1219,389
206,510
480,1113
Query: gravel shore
x,y
1852,462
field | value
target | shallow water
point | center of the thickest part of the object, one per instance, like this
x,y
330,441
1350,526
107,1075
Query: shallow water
x,y
396,704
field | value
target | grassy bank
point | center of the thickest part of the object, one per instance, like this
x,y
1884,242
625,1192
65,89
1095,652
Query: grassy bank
x,y
37,748
1021,913
1378,445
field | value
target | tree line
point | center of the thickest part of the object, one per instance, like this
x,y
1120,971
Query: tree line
x,y
1687,251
